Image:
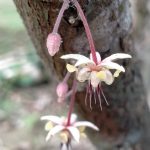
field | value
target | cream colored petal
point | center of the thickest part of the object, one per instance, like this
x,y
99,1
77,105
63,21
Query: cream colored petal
x,y
84,62
83,135
117,56
54,131
64,135
94,79
81,59
86,124
98,56
74,56
83,74
48,126
82,129
71,68
54,119
116,74
109,78
101,75
78,57
75,133
112,65
105,76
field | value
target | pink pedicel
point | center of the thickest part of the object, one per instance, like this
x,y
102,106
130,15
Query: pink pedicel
x,y
53,43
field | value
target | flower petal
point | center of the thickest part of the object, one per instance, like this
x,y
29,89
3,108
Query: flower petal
x,y
74,56
48,126
65,135
94,79
81,59
81,129
109,78
83,74
98,56
86,124
101,75
75,133
105,76
71,68
73,118
54,119
112,65
54,131
117,56
84,62
116,74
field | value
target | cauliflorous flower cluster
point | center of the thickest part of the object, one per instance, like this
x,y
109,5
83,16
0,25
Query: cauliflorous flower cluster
x,y
66,131
87,69
93,70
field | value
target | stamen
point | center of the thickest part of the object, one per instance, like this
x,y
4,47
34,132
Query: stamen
x,y
91,101
94,90
99,98
104,96
87,91
90,93
97,95
66,146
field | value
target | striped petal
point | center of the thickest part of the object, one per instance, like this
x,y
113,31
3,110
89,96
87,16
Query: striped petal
x,y
117,56
98,56
86,124
73,118
112,65
54,119
54,131
75,133
94,79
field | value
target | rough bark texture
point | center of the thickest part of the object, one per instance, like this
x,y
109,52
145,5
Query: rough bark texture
x,y
124,124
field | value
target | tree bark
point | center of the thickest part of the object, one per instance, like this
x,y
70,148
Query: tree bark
x,y
124,124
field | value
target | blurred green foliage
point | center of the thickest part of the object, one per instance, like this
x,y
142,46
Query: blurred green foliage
x,y
19,64
30,120
7,106
9,18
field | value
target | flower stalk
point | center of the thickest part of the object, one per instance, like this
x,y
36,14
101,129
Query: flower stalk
x,y
74,87
87,30
60,15
66,77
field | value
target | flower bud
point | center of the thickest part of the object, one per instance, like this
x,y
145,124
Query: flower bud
x,y
61,91
53,43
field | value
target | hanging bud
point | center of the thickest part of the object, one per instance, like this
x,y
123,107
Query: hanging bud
x,y
61,91
53,43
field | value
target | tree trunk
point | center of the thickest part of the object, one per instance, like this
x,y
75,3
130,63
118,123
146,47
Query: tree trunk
x,y
125,123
